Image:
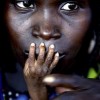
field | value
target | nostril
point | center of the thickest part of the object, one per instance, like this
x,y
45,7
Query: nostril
x,y
36,30
56,33
45,32
35,34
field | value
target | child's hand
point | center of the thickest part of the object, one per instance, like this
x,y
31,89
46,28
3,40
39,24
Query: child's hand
x,y
36,69
43,65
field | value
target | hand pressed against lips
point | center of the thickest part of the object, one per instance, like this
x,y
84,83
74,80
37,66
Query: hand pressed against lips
x,y
43,64
26,53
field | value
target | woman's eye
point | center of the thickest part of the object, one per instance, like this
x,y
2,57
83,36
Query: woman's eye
x,y
25,5
70,6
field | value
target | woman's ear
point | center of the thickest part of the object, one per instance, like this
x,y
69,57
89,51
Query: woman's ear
x,y
92,43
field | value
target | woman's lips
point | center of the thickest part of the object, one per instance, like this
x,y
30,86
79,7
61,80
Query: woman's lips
x,y
61,55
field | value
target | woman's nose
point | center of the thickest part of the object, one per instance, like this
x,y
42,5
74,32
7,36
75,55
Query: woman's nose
x,y
47,26
46,31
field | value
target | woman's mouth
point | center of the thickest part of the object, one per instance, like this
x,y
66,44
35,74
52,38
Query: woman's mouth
x,y
61,55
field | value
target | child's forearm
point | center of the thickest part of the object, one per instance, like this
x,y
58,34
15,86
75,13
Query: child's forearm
x,y
36,88
38,93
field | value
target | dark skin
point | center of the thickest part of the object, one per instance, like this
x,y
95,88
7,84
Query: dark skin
x,y
55,29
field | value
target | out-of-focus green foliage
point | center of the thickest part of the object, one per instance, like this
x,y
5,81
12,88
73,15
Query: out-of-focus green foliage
x,y
92,73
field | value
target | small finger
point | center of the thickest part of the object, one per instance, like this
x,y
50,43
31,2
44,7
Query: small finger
x,y
41,55
50,55
26,68
55,61
32,51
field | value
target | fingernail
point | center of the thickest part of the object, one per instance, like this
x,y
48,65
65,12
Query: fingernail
x,y
49,79
52,46
57,54
42,44
32,44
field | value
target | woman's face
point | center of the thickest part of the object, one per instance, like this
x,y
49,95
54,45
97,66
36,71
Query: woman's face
x,y
63,23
